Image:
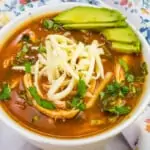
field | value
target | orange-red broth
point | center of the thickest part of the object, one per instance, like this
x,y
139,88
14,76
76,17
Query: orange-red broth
x,y
23,113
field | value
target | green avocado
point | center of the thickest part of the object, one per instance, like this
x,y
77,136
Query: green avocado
x,y
126,48
95,25
125,35
84,14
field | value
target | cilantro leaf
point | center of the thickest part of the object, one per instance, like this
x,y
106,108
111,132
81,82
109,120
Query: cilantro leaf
x,y
119,110
56,26
125,90
23,51
27,67
113,88
124,65
75,101
129,77
5,93
34,94
43,103
81,106
41,49
78,103
81,88
48,24
47,104
25,48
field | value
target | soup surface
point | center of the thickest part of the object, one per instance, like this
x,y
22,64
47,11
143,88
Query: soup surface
x,y
67,83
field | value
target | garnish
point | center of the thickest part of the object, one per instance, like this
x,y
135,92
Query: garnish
x,y
48,24
112,97
5,93
41,49
119,110
77,101
43,103
130,77
23,51
81,88
27,67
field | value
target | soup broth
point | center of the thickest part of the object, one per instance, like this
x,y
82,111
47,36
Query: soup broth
x,y
112,103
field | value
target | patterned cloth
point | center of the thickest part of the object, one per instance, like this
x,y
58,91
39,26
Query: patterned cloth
x,y
138,12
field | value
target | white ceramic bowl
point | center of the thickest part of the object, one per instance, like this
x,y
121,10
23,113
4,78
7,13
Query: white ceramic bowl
x,y
49,143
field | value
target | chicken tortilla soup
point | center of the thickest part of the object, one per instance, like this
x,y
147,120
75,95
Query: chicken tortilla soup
x,y
69,76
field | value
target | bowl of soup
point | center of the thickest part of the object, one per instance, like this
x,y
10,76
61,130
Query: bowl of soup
x,y
72,75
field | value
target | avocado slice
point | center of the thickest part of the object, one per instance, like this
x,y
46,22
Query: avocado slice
x,y
84,14
125,35
126,48
95,25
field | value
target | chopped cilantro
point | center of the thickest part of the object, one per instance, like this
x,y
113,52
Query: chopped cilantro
x,y
124,65
47,104
119,110
113,88
112,97
56,26
41,49
5,93
23,51
78,103
81,106
48,24
43,103
27,67
25,48
130,77
81,88
125,90
75,101
34,94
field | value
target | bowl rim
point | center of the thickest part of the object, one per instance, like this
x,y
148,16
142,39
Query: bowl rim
x,y
85,140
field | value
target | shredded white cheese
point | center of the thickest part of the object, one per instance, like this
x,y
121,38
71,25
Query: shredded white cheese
x,y
64,63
